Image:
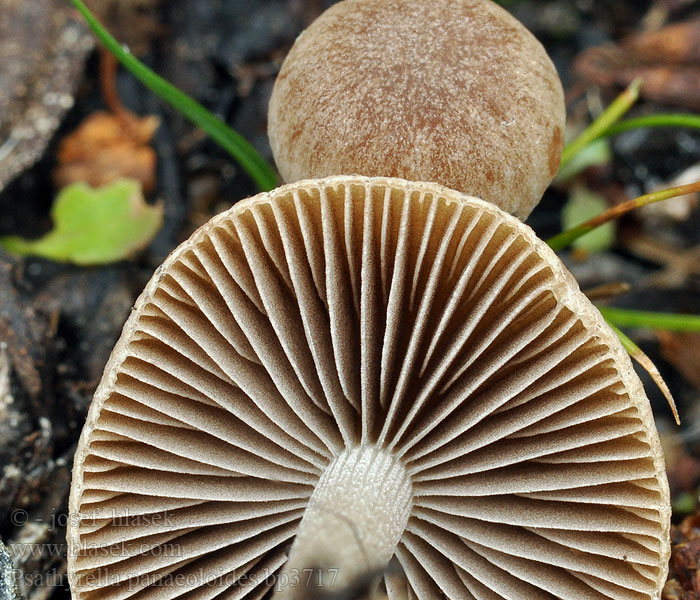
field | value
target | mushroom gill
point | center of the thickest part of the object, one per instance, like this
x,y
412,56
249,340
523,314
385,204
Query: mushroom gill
x,y
361,372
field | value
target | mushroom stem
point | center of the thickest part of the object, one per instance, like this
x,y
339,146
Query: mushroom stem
x,y
354,520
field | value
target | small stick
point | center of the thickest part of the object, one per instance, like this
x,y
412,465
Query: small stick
x,y
563,239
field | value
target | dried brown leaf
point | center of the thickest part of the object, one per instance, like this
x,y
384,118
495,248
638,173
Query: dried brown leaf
x,y
106,147
684,576
677,43
668,61
607,290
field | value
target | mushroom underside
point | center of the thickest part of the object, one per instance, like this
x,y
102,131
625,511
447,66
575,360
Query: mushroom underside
x,y
418,333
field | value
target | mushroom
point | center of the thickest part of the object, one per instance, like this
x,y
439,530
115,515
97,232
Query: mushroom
x,y
452,91
373,377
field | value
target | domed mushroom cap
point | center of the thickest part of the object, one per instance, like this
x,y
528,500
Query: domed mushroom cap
x,y
452,91
362,372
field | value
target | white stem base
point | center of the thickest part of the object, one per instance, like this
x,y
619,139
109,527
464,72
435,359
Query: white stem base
x,y
354,520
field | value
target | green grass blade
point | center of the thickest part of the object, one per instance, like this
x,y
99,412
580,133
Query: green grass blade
x,y
662,120
623,317
254,164
609,127
608,117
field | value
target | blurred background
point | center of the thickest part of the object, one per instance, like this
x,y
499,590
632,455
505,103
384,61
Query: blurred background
x,y
69,114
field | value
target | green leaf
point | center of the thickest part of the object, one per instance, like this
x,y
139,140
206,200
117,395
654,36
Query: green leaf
x,y
583,205
596,153
94,226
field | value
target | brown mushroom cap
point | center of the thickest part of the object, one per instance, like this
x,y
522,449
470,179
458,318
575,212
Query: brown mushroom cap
x,y
452,91
370,371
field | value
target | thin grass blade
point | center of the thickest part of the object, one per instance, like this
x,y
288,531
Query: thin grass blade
x,y
231,141
607,118
637,354
565,238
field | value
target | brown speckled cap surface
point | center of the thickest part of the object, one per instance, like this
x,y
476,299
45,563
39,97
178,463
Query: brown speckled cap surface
x,y
452,91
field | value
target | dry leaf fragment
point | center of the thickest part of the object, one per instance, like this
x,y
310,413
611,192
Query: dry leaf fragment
x,y
678,43
668,61
42,48
106,147
684,576
686,562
